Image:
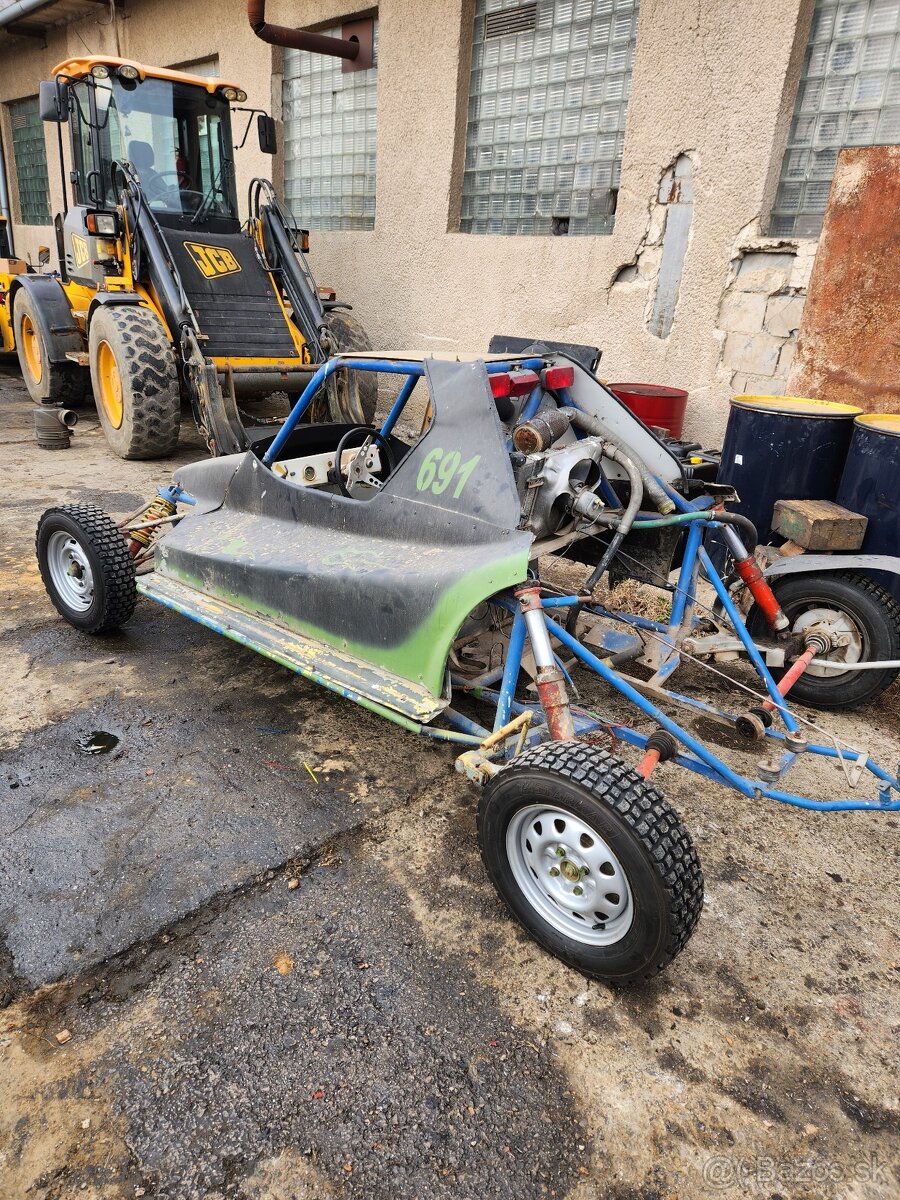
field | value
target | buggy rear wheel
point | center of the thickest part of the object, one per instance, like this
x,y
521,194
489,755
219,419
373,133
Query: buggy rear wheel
x,y
865,616
86,567
592,860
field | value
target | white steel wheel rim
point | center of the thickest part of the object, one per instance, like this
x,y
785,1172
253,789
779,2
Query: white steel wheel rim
x,y
70,571
552,853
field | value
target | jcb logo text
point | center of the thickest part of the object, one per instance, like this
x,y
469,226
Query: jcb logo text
x,y
212,260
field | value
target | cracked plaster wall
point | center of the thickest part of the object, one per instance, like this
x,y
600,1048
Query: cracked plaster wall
x,y
712,80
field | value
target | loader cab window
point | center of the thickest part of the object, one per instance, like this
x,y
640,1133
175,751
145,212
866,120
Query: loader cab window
x,y
176,136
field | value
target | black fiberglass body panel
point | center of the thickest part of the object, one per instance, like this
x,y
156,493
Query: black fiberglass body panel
x,y
391,578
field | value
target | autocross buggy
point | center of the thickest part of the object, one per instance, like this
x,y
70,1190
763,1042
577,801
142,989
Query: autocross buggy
x,y
403,573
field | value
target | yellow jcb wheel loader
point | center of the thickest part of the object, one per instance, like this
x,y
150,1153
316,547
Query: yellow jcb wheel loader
x,y
162,293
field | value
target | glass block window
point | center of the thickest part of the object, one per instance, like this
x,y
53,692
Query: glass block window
x,y
329,140
849,96
546,122
30,156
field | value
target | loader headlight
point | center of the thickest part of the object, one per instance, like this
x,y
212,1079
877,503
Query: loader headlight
x,y
230,93
100,71
103,224
240,95
127,71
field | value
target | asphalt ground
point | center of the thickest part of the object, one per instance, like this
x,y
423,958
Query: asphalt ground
x,y
263,920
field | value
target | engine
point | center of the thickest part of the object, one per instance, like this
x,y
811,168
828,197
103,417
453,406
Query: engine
x,y
556,486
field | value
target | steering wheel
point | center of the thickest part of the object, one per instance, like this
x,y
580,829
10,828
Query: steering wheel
x,y
174,195
358,470
157,187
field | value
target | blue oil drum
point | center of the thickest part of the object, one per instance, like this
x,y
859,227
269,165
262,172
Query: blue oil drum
x,y
783,448
871,481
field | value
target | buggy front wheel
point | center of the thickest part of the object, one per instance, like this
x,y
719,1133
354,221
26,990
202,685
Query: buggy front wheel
x,y
592,860
86,567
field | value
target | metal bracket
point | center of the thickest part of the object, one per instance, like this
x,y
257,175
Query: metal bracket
x,y
362,32
477,765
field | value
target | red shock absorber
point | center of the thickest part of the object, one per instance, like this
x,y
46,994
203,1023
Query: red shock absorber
x,y
755,581
550,681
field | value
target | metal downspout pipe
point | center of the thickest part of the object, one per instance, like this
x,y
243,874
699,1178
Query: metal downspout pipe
x,y
4,203
297,39
20,9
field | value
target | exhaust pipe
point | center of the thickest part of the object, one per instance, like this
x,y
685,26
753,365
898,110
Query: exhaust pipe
x,y
297,39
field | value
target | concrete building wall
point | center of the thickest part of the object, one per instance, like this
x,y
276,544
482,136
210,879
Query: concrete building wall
x,y
712,82
712,90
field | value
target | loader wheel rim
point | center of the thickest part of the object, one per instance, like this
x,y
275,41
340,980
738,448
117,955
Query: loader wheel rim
x,y
70,570
569,875
110,385
31,348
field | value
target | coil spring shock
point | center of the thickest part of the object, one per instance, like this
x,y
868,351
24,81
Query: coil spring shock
x,y
140,539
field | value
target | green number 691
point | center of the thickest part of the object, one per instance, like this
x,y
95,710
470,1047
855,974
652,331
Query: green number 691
x,y
439,468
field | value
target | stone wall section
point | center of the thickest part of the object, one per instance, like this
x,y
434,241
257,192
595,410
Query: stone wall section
x,y
760,312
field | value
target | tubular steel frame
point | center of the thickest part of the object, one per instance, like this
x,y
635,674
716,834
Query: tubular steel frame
x,y
529,721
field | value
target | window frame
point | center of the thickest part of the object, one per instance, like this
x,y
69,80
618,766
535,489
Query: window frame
x,y
794,82
335,222
558,223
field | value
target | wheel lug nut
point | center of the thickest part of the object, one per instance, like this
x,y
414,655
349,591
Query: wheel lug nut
x,y
554,870
560,853
578,891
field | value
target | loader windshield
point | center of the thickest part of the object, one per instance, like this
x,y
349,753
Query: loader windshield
x,y
177,137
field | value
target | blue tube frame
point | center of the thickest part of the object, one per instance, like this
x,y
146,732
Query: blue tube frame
x,y
696,756
380,365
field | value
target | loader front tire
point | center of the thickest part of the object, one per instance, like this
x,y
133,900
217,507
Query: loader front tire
x,y
48,382
135,380
352,395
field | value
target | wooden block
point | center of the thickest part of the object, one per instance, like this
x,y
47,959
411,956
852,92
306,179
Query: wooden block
x,y
819,524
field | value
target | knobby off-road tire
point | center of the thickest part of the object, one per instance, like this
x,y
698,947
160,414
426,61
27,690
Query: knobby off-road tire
x,y
874,617
48,382
642,889
351,395
86,568
135,379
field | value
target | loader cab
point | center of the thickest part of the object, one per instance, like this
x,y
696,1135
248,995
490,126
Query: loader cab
x,y
175,134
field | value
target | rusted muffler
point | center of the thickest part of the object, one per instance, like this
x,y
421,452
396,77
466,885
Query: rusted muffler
x,y
298,39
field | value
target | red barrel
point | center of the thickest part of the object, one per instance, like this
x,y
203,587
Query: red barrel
x,y
654,404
